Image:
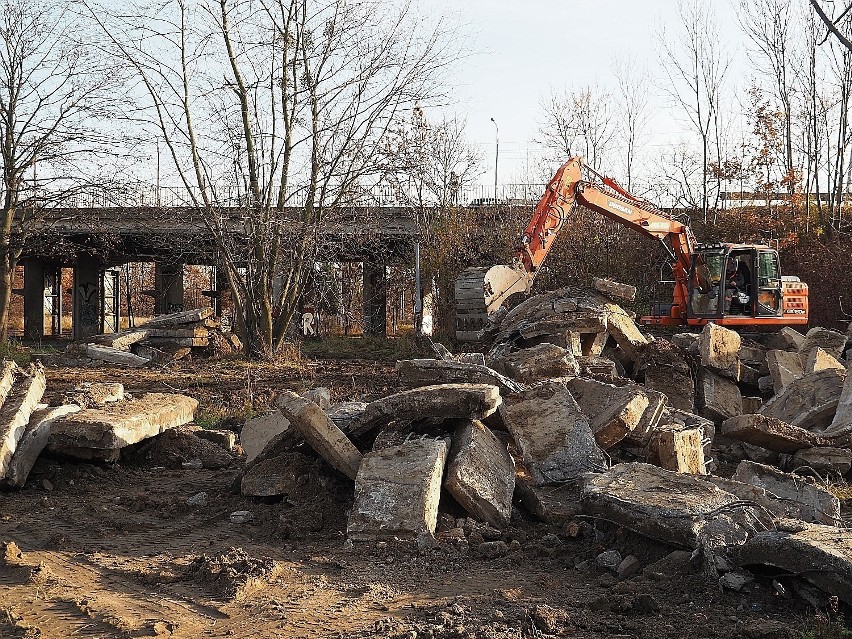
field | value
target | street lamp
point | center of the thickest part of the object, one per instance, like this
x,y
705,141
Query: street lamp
x,y
496,156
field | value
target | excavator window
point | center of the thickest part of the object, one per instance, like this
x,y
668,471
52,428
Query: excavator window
x,y
768,284
704,284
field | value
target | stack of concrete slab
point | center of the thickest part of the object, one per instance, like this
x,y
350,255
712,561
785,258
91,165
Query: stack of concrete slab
x,y
164,338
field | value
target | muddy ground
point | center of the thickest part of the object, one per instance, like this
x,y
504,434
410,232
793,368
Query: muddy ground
x,y
115,551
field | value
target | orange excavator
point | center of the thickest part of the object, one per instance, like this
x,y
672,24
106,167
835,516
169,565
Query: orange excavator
x,y
738,285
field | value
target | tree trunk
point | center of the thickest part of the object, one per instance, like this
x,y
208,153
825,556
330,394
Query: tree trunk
x,y
7,275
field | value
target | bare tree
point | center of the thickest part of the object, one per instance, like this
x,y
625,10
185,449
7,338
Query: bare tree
x,y
635,115
55,93
695,65
832,23
288,103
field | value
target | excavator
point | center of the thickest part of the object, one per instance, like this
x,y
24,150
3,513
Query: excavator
x,y
734,285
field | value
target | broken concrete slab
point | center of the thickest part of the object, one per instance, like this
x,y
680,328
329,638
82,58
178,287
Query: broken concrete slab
x,y
614,411
446,401
91,394
784,368
841,423
678,450
707,428
552,433
480,473
614,290
602,369
687,341
820,554
258,432
802,499
8,376
719,348
414,373
787,339
824,459
343,414
810,402
33,441
751,405
470,358
320,396
114,356
667,370
831,342
275,476
538,363
397,491
818,360
100,433
671,507
769,433
624,331
720,398
770,509
122,340
181,317
320,432
21,401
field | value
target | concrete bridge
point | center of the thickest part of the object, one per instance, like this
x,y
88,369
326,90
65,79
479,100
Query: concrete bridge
x,y
95,241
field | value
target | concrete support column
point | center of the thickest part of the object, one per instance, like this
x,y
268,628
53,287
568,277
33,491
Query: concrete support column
x,y
34,296
375,300
168,281
87,297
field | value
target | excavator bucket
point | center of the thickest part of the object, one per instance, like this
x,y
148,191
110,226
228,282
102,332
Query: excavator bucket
x,y
480,292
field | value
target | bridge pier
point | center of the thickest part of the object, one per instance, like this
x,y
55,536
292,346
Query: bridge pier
x,y
87,297
375,300
34,298
168,282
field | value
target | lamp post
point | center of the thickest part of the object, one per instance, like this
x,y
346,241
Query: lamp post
x,y
496,156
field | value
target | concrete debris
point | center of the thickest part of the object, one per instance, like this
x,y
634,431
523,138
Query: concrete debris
x,y
679,450
481,474
445,401
92,394
784,368
470,358
538,363
687,341
810,402
787,339
615,290
667,370
831,342
22,399
770,433
802,499
33,441
670,507
719,348
819,360
114,356
100,433
225,439
397,491
320,432
258,432
841,423
719,397
824,460
343,414
414,373
320,396
820,554
599,368
614,411
552,433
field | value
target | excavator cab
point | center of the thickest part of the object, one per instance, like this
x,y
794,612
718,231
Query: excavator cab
x,y
736,284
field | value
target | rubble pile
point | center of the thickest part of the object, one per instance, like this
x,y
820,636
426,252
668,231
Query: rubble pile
x,y
163,339
714,442
95,422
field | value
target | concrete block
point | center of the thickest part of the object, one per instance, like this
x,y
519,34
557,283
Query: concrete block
x,y
802,499
414,373
397,491
820,554
824,459
720,398
679,450
100,433
320,432
719,348
784,368
751,405
446,401
769,433
480,474
624,331
180,318
114,356
260,431
614,289
599,368
33,441
841,423
552,433
810,402
91,394
667,370
538,363
343,414
687,341
818,360
614,411
787,339
670,507
122,340
22,399
831,342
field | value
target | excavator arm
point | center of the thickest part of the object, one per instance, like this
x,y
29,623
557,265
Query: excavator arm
x,y
480,292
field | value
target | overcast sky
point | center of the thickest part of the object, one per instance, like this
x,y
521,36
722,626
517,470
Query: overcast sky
x,y
523,48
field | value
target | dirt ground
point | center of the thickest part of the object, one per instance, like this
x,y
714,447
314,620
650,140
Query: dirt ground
x,y
115,550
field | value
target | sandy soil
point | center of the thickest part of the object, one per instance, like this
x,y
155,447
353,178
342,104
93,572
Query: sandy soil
x,y
115,551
